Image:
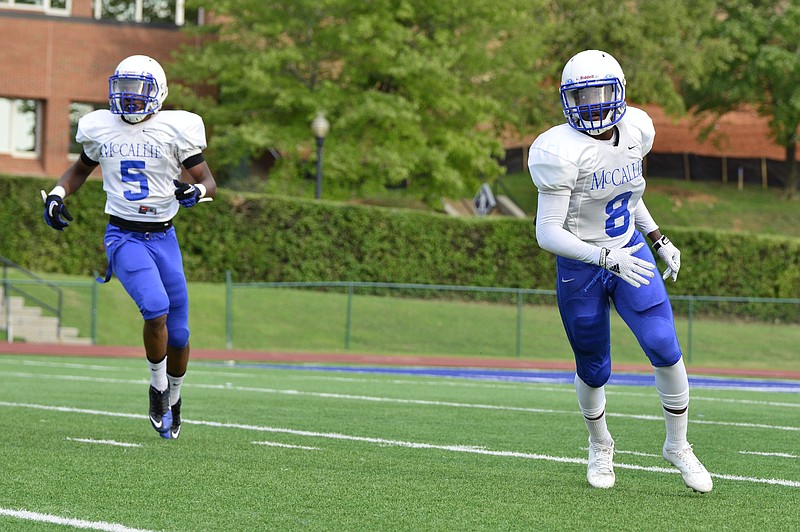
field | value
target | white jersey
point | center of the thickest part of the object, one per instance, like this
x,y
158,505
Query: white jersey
x,y
139,161
603,180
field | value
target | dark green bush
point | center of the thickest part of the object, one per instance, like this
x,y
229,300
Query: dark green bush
x,y
261,238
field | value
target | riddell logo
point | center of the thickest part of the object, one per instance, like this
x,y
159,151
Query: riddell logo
x,y
586,77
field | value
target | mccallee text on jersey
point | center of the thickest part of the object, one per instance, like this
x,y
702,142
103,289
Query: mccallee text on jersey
x,y
125,149
617,176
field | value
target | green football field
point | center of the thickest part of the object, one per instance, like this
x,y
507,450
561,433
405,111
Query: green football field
x,y
267,447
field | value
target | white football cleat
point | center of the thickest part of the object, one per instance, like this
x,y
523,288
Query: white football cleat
x,y
693,472
600,473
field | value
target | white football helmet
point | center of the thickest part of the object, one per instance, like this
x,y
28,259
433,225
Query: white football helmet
x,y
137,89
593,92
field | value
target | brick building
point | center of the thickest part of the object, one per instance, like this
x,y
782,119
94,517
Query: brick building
x,y
55,62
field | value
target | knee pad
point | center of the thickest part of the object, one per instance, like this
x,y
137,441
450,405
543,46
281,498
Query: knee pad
x,y
659,342
593,375
591,343
153,305
178,336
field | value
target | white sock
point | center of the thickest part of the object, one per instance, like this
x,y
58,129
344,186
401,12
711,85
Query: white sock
x,y
676,430
158,375
672,384
592,402
174,388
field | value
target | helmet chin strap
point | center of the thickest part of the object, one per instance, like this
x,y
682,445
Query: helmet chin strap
x,y
134,119
598,131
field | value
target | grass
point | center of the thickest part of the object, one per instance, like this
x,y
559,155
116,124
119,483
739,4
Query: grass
x,y
265,448
697,204
280,319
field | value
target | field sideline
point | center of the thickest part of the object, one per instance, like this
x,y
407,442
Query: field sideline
x,y
353,358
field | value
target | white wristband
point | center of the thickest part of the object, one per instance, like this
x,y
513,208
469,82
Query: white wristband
x,y
59,191
202,189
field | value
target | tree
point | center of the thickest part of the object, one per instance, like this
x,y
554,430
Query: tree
x,y
754,59
413,89
658,44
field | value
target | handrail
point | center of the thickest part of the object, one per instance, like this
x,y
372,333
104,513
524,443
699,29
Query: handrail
x,y
506,191
9,287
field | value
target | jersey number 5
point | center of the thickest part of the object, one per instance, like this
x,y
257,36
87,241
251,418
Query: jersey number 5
x,y
125,168
619,216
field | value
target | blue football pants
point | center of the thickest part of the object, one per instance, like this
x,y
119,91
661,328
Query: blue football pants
x,y
585,293
150,267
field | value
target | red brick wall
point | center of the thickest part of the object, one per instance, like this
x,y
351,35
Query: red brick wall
x,y
60,60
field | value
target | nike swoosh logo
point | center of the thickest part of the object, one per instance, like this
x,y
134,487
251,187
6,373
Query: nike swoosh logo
x,y
176,432
631,147
567,280
158,424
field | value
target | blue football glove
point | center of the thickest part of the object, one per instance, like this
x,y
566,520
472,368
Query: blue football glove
x,y
188,195
56,214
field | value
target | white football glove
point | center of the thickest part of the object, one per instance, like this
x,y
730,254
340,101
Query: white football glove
x,y
669,254
623,264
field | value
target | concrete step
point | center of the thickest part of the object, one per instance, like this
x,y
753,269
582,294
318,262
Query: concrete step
x,y
29,325
507,207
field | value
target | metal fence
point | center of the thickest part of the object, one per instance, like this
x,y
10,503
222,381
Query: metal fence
x,y
522,320
391,318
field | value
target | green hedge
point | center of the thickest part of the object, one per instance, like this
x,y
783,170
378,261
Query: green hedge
x,y
261,238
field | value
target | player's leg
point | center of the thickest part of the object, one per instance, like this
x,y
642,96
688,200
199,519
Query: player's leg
x,y
136,270
170,265
177,361
648,313
584,309
673,388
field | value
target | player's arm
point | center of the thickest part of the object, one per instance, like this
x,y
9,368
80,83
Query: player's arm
x,y
204,186
550,232
551,214
56,214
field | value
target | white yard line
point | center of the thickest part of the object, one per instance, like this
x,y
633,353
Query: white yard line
x,y
400,443
779,455
68,521
70,365
285,445
324,395
104,442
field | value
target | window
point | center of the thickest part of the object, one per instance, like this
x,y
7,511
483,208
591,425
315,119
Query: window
x,y
146,11
19,127
76,111
50,7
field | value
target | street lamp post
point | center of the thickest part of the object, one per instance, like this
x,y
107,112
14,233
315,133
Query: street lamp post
x,y
320,127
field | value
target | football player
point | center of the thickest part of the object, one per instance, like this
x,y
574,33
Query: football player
x,y
591,215
141,150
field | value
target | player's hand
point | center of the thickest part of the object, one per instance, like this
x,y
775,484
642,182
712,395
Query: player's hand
x,y
189,195
625,265
56,214
669,254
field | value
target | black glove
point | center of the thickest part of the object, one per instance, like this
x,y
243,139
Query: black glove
x,y
56,214
186,194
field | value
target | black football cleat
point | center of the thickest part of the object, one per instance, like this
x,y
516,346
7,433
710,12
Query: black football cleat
x,y
160,413
175,431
